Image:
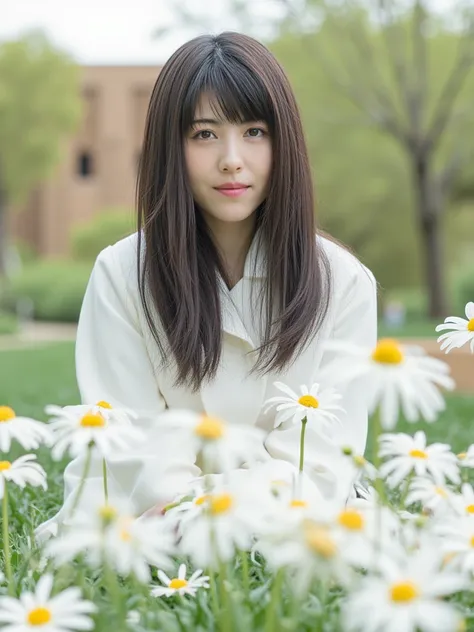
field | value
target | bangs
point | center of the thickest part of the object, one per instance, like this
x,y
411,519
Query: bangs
x,y
236,93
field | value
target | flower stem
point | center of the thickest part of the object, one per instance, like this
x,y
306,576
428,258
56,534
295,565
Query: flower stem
x,y
299,488
405,491
303,430
106,487
376,432
245,572
6,541
270,623
82,483
226,621
214,598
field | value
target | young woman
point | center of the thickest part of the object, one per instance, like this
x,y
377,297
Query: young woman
x,y
226,287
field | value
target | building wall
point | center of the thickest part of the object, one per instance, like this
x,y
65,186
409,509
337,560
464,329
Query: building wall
x,y
99,164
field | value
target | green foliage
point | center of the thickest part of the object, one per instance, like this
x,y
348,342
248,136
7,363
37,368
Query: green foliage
x,y
414,299
55,289
39,106
363,176
463,288
103,230
8,324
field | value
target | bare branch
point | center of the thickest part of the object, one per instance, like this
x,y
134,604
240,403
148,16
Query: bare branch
x,y
376,106
419,90
452,88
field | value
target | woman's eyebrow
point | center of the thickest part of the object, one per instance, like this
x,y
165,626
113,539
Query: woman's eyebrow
x,y
211,121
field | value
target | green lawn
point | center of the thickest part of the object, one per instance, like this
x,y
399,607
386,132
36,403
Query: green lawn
x,y
414,329
30,379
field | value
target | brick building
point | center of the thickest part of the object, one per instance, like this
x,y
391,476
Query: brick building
x,y
99,164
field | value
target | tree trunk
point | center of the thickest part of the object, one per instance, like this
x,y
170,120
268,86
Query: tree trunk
x,y
430,213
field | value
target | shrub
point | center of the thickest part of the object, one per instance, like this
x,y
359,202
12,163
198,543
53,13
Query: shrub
x,y
463,282
414,299
8,324
105,229
54,288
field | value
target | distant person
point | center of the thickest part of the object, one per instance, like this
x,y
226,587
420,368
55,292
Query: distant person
x,y
227,286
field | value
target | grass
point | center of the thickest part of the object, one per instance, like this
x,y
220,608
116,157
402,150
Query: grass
x,y
32,378
8,324
413,329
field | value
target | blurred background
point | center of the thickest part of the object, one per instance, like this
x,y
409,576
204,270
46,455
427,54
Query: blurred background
x,y
386,92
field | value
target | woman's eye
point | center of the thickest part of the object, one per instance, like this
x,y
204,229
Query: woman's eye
x,y
203,134
256,129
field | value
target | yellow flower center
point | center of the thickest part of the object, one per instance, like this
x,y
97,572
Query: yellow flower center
x,y
448,557
462,626
210,428
359,461
387,351
39,616
178,583
201,499
418,454
472,541
319,540
298,503
351,519
403,592
125,525
107,513
220,503
5,465
441,492
6,413
470,509
92,420
308,401
462,456
103,404
470,325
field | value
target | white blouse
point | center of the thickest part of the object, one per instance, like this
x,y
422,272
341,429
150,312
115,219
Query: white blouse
x,y
117,361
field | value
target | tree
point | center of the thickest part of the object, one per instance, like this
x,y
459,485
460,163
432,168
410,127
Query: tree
x,y
39,106
394,47
388,62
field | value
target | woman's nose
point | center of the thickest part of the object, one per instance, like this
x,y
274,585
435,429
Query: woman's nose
x,y
231,159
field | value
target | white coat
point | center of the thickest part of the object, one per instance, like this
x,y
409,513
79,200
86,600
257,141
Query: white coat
x,y
117,361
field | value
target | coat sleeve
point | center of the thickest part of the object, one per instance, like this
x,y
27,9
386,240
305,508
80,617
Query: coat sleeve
x,y
353,318
112,364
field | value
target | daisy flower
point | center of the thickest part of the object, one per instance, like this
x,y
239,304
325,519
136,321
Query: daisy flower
x,y
406,596
319,407
64,612
393,377
463,503
111,532
462,331
457,540
433,497
221,446
22,472
231,514
466,459
74,428
311,549
411,454
29,433
180,585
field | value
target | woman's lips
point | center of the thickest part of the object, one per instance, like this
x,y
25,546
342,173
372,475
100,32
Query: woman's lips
x,y
233,192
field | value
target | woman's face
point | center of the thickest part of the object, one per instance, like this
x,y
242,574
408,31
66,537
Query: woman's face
x,y
219,154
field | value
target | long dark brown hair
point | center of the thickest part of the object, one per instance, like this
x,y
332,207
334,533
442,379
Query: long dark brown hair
x,y
178,263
